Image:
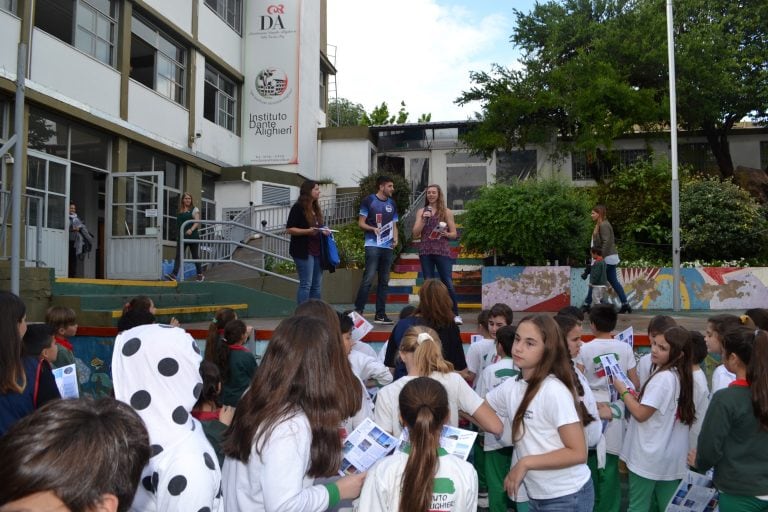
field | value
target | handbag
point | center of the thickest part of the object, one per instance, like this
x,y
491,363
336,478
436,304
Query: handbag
x,y
333,251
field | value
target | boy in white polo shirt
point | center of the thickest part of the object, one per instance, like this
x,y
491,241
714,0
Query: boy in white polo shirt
x,y
603,318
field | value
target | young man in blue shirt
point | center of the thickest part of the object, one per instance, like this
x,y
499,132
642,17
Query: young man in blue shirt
x,y
378,220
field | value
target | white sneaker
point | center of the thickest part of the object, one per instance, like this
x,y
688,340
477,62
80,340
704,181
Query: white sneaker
x,y
482,499
458,320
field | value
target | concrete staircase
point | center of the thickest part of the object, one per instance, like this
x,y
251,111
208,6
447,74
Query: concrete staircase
x,y
406,278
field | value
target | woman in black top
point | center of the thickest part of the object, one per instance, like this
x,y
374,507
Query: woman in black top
x,y
305,225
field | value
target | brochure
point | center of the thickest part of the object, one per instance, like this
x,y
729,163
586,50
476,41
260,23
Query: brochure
x,y
66,381
455,441
361,326
696,493
386,234
614,371
364,446
627,336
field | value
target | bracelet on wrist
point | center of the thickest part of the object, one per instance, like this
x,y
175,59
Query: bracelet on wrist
x,y
626,391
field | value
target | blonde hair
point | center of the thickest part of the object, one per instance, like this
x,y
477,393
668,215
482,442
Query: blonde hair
x,y
427,349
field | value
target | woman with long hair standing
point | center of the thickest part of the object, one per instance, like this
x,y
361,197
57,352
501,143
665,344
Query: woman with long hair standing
x,y
305,223
435,227
603,239
187,211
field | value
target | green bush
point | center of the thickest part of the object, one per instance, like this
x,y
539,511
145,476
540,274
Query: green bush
x,y
639,202
720,221
529,222
351,245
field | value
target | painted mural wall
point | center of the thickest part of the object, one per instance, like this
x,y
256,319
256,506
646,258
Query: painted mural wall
x,y
703,288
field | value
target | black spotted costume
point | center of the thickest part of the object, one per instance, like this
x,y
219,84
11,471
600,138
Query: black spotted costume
x,y
155,369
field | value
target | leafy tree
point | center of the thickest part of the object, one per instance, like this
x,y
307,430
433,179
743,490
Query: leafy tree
x,y
530,221
343,112
425,118
596,69
402,195
720,221
380,115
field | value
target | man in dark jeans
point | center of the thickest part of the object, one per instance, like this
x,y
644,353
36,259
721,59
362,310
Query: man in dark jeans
x,y
378,219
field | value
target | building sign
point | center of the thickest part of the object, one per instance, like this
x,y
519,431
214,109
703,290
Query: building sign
x,y
271,90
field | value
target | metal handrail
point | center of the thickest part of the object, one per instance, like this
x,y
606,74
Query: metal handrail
x,y
5,204
409,219
230,245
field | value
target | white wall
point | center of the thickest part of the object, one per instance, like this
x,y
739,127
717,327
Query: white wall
x,y
309,89
745,150
70,72
157,114
219,37
346,161
232,194
178,12
10,27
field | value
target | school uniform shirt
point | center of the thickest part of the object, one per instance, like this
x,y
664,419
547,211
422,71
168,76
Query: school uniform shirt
x,y
155,369
490,378
367,367
551,408
657,448
721,378
594,430
700,402
461,397
589,357
454,488
277,479
361,346
242,366
480,355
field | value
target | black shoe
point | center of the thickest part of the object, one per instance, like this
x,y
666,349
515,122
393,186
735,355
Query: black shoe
x,y
626,308
383,320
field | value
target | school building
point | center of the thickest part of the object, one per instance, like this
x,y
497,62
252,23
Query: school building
x,y
130,103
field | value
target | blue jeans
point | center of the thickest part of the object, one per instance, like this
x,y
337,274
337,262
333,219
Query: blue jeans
x,y
377,262
310,278
432,266
580,501
613,280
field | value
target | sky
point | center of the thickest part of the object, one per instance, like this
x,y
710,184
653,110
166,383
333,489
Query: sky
x,y
418,51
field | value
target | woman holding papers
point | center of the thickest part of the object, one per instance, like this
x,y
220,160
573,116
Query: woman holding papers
x,y
420,475
305,223
285,432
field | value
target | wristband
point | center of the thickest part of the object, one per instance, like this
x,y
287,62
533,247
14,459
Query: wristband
x,y
624,394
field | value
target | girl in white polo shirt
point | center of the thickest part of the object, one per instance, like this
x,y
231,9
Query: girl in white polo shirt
x,y
547,421
655,447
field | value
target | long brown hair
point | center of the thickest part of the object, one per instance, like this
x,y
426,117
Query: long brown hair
x,y
435,304
555,360
310,205
602,215
751,347
424,409
567,323
216,329
349,394
12,312
439,204
427,350
181,202
297,374
680,359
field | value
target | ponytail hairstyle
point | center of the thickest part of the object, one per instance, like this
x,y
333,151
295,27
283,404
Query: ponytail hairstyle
x,y
681,360
211,385
427,350
758,316
216,330
566,323
424,409
555,360
751,347
136,312
12,312
233,333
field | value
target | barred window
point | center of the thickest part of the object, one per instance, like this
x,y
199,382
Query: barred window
x,y
598,165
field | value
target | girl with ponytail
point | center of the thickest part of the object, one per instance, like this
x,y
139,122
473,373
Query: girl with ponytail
x,y
734,435
420,475
236,363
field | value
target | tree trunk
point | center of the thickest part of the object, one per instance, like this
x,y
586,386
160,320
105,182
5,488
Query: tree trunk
x,y
718,143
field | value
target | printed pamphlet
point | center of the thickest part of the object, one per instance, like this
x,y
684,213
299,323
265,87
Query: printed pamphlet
x,y
66,381
627,336
364,446
455,441
696,493
614,371
360,326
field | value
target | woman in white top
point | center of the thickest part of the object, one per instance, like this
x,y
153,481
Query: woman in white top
x,y
547,428
420,475
285,432
420,351
655,447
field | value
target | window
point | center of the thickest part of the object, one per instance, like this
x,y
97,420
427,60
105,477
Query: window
x,y
157,61
144,159
764,155
66,139
598,165
323,102
698,155
515,165
465,174
230,11
220,99
7,5
208,202
90,25
46,179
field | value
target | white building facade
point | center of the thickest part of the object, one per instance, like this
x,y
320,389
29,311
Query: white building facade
x,y
130,103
